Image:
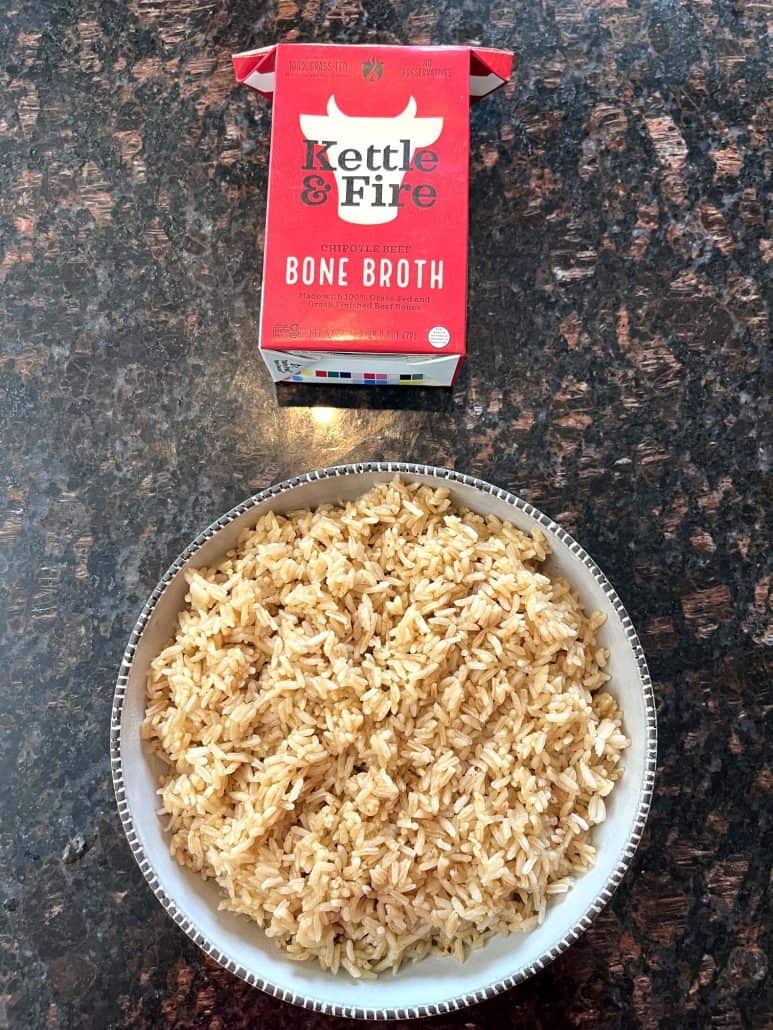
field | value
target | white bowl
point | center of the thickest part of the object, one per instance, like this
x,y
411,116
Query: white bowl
x,y
437,984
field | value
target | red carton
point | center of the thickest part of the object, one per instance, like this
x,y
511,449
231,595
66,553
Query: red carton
x,y
365,266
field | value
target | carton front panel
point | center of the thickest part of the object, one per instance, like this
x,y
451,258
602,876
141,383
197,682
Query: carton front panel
x,y
366,242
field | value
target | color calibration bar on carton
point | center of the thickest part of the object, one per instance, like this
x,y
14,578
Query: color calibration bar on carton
x,y
362,378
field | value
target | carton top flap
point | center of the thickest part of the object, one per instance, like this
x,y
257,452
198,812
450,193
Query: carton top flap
x,y
489,68
255,69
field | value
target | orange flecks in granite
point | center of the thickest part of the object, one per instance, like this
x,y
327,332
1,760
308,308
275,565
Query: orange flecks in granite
x,y
659,635
705,609
728,162
670,147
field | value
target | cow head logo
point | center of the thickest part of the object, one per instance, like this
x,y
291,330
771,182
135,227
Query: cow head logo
x,y
369,158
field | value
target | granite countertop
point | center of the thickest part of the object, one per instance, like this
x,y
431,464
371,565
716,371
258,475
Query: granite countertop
x,y
617,338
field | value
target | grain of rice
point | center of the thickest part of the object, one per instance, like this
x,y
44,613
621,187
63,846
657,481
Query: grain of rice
x,y
383,729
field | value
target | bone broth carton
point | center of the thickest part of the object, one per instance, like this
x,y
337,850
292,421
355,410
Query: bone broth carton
x,y
365,266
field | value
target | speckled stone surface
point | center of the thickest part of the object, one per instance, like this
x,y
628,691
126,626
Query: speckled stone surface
x,y
619,258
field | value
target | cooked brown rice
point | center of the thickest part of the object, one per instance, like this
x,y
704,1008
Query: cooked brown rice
x,y
384,730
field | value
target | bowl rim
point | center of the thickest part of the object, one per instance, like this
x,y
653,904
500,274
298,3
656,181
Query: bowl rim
x,y
454,1002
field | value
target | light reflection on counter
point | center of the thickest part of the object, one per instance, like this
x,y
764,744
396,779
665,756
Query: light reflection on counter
x,y
325,416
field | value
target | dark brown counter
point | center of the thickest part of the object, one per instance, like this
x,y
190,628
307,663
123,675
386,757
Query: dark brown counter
x,y
619,256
